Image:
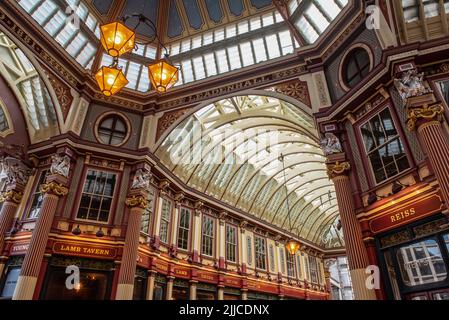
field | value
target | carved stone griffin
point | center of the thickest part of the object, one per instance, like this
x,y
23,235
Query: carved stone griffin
x,y
15,170
60,164
411,85
330,144
142,179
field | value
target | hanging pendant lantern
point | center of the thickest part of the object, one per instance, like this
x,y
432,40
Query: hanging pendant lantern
x,y
163,75
110,80
292,246
117,39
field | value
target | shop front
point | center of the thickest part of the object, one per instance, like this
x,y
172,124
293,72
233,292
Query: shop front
x,y
140,284
180,290
10,276
160,287
416,260
412,245
61,280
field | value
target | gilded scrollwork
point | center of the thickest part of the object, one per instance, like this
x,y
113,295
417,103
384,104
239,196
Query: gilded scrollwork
x,y
55,188
338,168
11,196
137,201
426,113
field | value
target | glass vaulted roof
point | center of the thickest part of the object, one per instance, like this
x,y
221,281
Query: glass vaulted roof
x,y
206,38
231,150
30,89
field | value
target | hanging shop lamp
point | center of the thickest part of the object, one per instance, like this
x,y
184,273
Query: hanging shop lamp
x,y
292,246
110,80
117,39
163,75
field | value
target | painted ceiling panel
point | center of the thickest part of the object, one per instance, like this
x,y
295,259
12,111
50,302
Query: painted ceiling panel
x,y
193,13
236,7
214,10
148,8
259,4
102,6
174,21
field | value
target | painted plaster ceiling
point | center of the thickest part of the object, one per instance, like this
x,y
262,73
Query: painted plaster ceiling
x,y
230,150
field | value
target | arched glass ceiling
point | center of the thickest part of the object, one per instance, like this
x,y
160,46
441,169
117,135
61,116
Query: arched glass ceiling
x,y
230,150
30,89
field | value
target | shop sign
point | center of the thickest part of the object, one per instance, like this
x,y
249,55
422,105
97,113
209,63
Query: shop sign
x,y
182,273
162,267
258,286
207,277
232,282
74,249
19,248
401,215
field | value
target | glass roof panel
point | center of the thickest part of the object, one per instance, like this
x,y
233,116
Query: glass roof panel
x,y
231,150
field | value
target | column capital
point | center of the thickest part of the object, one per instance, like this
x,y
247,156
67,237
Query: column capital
x,y
338,169
55,188
417,116
137,198
11,196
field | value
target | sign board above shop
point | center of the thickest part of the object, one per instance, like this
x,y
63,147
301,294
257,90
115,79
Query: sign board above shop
x,y
400,215
83,250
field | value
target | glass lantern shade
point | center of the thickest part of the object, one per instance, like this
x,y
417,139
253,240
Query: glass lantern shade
x,y
163,75
292,246
110,80
117,39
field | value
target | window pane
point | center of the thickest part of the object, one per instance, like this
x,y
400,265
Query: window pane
x,y
421,263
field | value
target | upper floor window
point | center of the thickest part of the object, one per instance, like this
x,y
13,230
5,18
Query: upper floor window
x,y
260,251
356,67
147,213
383,146
431,9
313,269
165,220
231,243
249,250
299,265
38,196
96,198
207,247
183,230
112,130
282,258
290,265
271,256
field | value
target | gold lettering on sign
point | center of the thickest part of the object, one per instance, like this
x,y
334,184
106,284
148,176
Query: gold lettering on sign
x,y
396,217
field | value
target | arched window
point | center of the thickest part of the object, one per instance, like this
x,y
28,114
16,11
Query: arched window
x,y
112,130
357,67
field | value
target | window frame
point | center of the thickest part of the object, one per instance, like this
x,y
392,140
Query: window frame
x,y
169,221
34,192
236,244
113,208
344,63
256,253
7,119
400,135
214,232
189,229
292,264
113,114
152,213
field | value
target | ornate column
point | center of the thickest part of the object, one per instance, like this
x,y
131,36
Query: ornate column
x,y
169,294
193,287
355,248
54,189
426,120
425,114
244,294
17,177
150,284
220,295
136,202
